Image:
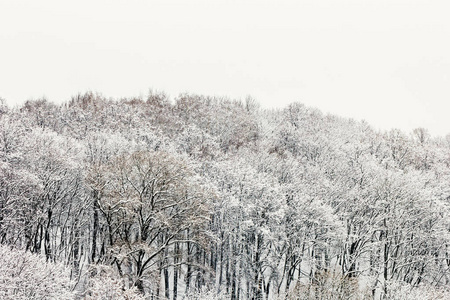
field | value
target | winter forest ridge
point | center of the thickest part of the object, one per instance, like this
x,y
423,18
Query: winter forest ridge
x,y
211,198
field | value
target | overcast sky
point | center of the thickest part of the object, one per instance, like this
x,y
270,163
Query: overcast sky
x,y
385,61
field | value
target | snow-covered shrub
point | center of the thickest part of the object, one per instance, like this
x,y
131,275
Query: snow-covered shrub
x,y
104,284
24,275
402,291
205,294
330,286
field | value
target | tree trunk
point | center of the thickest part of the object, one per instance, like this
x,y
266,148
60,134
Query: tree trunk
x,y
175,270
166,275
166,283
95,228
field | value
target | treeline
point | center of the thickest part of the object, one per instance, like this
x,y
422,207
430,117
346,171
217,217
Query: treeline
x,y
209,197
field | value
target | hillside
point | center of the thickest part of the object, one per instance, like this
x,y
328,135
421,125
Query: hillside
x,y
211,198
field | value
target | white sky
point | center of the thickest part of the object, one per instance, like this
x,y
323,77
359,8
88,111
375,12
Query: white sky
x,y
386,61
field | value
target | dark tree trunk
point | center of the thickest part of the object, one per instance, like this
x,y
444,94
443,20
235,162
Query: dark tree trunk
x,y
188,262
166,276
95,228
47,247
175,270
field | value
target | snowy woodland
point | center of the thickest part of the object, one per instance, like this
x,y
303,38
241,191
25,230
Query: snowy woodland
x,y
210,198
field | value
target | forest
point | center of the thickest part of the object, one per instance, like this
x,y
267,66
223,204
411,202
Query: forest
x,y
202,197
